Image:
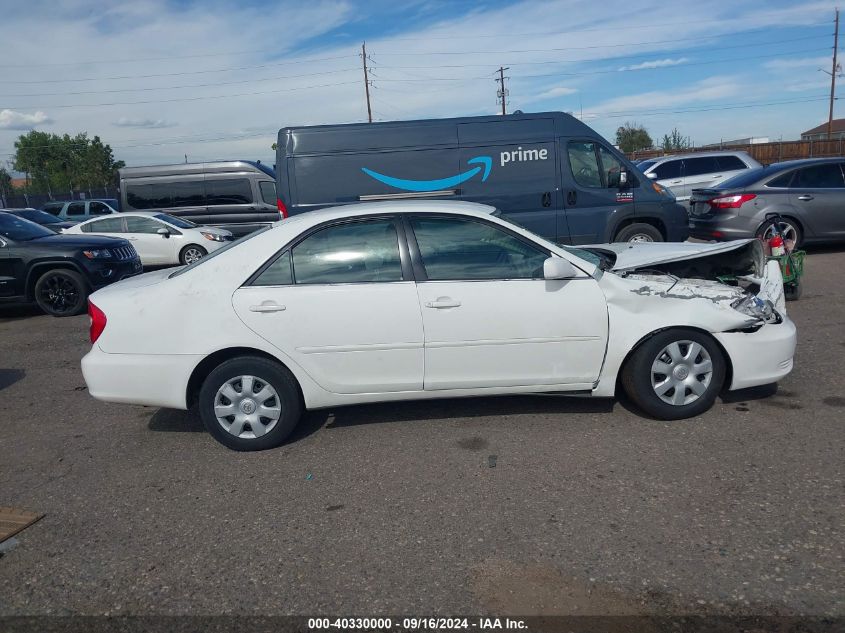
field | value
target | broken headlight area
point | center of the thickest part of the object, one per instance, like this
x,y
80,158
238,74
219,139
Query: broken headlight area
x,y
754,306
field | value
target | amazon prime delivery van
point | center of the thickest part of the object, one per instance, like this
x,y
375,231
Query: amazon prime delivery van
x,y
548,172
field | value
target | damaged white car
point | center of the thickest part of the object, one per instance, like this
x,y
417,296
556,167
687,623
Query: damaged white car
x,y
406,300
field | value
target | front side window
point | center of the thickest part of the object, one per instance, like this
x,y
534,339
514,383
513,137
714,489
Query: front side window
x,y
228,191
178,222
611,168
98,208
584,164
669,169
53,208
106,225
824,176
459,249
730,163
149,196
268,192
76,208
137,224
349,253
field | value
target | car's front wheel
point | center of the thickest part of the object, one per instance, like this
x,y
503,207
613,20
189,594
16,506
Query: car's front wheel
x,y
639,232
675,374
61,292
250,403
192,254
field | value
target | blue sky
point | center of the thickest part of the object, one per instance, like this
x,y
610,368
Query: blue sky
x,y
158,80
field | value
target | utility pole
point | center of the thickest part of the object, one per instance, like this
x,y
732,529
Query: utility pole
x,y
366,82
502,92
834,69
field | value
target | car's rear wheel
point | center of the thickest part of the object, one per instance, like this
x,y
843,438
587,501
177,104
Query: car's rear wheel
x,y
789,229
192,254
675,374
250,403
638,232
61,293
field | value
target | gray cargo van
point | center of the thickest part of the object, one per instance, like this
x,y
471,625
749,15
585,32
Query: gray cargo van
x,y
548,172
237,195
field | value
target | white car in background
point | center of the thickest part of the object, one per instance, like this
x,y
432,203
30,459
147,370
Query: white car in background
x,y
406,300
160,238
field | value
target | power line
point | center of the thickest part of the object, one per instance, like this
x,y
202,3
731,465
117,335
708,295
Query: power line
x,y
694,109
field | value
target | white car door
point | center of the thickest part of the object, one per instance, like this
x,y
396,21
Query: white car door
x,y
489,317
342,305
154,249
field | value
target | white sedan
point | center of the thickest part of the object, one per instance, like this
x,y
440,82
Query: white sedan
x,y
407,300
159,238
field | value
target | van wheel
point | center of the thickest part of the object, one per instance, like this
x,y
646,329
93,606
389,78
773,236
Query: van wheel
x,y
675,374
61,293
192,254
638,232
250,403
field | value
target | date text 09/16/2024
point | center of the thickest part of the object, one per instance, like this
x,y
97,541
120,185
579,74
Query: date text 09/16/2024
x,y
418,623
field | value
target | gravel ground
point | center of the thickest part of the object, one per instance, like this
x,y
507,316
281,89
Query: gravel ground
x,y
517,505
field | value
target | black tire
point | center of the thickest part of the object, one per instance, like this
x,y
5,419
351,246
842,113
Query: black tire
x,y
792,292
61,293
799,233
265,372
185,255
638,232
637,375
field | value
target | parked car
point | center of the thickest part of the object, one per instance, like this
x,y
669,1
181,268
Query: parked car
x,y
58,271
809,194
393,301
237,195
159,238
681,173
41,217
548,172
78,210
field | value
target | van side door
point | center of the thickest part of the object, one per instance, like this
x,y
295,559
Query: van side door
x,y
592,196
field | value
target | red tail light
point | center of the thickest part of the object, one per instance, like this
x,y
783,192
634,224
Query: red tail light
x,y
281,207
98,321
731,202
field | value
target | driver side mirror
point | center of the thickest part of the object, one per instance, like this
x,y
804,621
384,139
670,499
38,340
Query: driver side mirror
x,y
163,232
558,268
651,175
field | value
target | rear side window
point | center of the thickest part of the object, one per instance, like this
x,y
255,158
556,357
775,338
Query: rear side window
x,y
699,166
279,273
148,196
584,164
824,176
781,181
669,169
106,225
730,163
458,249
228,191
76,208
349,253
188,193
98,208
268,191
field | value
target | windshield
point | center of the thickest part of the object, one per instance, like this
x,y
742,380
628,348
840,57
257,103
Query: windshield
x,y
587,256
41,217
223,249
20,229
179,223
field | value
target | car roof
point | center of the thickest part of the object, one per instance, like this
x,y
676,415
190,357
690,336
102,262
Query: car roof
x,y
355,209
657,159
806,161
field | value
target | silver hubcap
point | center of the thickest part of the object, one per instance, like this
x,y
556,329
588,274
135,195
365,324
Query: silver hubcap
x,y
681,372
192,255
247,407
641,237
786,230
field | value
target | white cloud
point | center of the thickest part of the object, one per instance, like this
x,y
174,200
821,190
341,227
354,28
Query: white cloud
x,y
699,92
551,93
657,63
800,63
13,120
143,123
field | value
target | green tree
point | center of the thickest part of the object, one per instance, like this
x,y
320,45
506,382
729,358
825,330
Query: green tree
x,y
675,141
632,137
5,184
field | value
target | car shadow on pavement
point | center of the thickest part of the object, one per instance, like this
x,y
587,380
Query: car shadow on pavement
x,y
420,410
175,421
14,313
9,377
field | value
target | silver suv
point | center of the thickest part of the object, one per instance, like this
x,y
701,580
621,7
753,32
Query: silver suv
x,y
681,173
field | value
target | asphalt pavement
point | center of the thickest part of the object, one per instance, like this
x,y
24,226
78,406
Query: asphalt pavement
x,y
512,505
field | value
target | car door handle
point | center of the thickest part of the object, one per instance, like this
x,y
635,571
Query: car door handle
x,y
267,307
443,302
676,182
571,198
805,197
547,199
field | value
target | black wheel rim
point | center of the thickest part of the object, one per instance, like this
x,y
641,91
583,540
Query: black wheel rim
x,y
60,294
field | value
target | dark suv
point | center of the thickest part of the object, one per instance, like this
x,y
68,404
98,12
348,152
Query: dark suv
x,y
58,272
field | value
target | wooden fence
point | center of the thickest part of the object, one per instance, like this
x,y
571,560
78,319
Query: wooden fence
x,y
765,153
